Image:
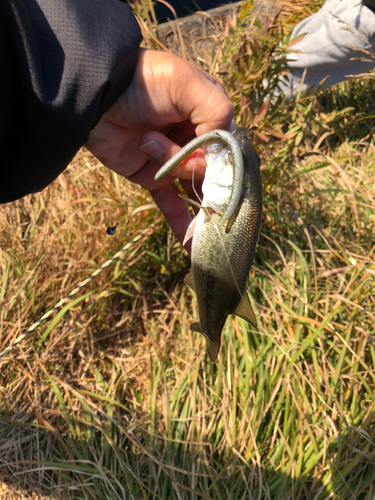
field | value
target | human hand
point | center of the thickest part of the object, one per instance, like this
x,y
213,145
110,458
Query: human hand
x,y
168,103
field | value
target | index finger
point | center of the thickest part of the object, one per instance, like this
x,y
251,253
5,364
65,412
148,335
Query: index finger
x,y
175,211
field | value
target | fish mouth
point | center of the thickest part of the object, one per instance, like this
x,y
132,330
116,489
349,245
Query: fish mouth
x,y
215,136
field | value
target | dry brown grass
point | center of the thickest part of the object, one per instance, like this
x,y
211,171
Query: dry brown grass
x,y
118,399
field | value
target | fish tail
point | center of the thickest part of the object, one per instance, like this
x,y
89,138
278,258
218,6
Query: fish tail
x,y
213,346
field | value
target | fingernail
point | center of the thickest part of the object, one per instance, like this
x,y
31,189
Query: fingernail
x,y
153,150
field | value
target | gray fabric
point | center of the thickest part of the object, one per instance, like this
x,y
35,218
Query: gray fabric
x,y
330,46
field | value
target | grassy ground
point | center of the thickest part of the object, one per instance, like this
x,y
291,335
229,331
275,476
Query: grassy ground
x,y
115,398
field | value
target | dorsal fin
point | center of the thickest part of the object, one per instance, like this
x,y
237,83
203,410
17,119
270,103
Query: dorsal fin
x,y
245,311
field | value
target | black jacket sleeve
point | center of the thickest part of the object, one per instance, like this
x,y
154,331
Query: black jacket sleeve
x,y
63,63
370,4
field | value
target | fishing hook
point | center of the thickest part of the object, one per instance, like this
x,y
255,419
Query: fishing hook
x,y
112,229
220,136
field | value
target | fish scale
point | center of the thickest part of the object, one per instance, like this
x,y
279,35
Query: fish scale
x,y
222,254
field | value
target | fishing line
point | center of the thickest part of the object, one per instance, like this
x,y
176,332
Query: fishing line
x,y
225,253
192,178
58,306
227,257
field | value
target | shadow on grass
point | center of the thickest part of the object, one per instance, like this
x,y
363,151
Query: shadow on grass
x,y
90,446
118,462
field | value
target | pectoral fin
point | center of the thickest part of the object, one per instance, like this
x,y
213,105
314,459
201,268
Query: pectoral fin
x,y
245,311
189,281
190,231
213,346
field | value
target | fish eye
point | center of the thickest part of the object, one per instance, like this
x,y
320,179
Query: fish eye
x,y
215,147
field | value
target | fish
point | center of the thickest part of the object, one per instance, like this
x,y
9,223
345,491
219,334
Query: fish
x,y
225,232
223,250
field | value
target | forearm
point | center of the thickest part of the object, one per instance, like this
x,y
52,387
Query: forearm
x,y
64,63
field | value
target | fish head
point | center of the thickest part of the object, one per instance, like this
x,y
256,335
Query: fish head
x,y
247,148
218,180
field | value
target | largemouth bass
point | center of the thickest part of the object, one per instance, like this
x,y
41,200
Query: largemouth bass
x,y
223,248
